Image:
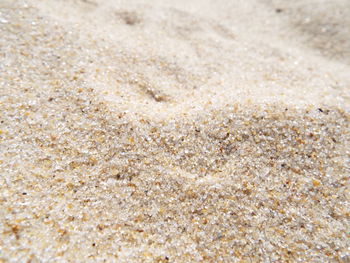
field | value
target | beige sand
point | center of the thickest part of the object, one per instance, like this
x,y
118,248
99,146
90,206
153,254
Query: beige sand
x,y
174,131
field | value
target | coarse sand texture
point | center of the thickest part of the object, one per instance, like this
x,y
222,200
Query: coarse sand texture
x,y
174,131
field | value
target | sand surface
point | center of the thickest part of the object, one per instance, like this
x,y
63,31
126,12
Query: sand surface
x,y
174,131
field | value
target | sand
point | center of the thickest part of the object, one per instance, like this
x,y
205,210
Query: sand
x,y
174,131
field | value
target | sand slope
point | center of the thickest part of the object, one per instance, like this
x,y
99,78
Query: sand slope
x,y
174,131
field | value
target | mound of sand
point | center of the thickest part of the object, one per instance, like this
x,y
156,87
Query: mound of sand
x,y
174,131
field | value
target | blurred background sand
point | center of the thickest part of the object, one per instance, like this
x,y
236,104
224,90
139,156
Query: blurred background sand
x,y
194,53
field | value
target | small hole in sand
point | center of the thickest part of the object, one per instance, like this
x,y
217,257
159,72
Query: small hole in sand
x,y
279,10
129,18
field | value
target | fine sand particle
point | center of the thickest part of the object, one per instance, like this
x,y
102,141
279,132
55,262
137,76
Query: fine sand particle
x,y
174,131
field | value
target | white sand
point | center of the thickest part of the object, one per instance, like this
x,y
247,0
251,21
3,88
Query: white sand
x,y
174,131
